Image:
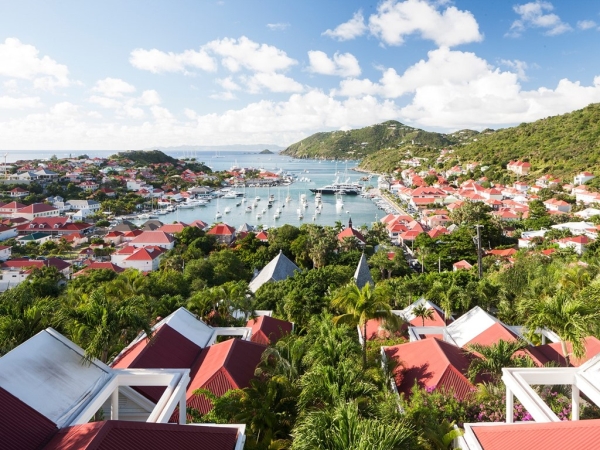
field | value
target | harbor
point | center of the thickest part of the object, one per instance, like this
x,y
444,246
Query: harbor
x,y
271,206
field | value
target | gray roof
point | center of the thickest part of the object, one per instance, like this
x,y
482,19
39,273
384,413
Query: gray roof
x,y
81,203
362,275
245,227
278,269
151,225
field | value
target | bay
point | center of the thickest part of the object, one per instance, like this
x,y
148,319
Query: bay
x,y
361,210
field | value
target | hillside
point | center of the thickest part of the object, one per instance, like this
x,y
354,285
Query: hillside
x,y
145,157
561,145
392,136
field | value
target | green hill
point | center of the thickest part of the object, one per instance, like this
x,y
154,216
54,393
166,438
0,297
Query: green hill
x,y
391,136
145,157
562,145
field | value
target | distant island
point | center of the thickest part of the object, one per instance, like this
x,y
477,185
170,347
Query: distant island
x,y
266,151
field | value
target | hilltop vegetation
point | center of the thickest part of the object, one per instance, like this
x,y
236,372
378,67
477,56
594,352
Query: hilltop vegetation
x,y
391,136
145,157
561,145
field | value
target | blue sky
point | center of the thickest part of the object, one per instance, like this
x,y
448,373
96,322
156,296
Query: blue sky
x,y
136,74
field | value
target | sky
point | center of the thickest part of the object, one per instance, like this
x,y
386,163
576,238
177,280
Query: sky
x,y
114,75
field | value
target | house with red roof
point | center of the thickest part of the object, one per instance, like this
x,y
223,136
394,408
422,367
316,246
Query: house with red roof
x,y
144,259
172,228
19,192
98,265
15,271
519,167
461,265
154,239
10,208
262,236
7,232
56,226
267,330
223,233
113,237
577,243
557,205
5,252
430,364
48,400
546,429
583,178
89,186
222,367
36,210
350,233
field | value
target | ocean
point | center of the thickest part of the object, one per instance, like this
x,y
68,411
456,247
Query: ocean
x,y
317,173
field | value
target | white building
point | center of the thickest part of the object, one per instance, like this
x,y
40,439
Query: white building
x,y
582,178
84,207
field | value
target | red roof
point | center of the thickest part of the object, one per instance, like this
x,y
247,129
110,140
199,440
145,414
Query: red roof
x,y
173,227
112,234
166,349
350,232
222,367
221,229
132,233
431,363
22,426
145,254
582,434
22,263
36,208
96,265
504,253
153,237
462,264
262,236
543,354
13,205
268,330
493,334
115,434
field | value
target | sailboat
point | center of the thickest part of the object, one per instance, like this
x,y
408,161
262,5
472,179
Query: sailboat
x,y
339,203
288,198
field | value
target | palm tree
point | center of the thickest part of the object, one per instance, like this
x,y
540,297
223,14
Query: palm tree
x,y
343,428
448,295
496,356
102,325
423,312
362,305
571,318
22,315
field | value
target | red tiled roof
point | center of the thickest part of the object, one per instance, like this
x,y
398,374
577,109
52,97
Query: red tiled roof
x,y
116,434
28,263
173,227
222,367
543,354
462,265
492,335
350,232
268,330
96,265
13,205
583,434
133,233
22,426
166,349
221,229
431,363
504,253
145,254
36,208
153,237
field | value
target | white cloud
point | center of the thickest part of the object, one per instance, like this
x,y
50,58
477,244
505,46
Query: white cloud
x,y
105,102
519,67
354,28
586,24
397,19
244,53
7,102
274,82
157,61
228,84
537,15
226,95
113,87
149,98
342,64
278,26
22,61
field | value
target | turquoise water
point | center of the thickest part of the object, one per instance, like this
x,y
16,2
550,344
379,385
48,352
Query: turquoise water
x,y
361,210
